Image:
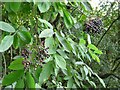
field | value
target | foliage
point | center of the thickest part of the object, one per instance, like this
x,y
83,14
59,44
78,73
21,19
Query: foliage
x,y
44,46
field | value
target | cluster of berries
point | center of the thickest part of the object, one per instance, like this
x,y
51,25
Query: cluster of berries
x,y
93,26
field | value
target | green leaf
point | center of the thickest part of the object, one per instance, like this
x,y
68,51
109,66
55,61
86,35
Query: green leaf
x,y
88,39
16,64
46,22
19,84
46,33
63,42
46,72
25,36
16,42
12,77
68,20
60,61
6,43
70,83
82,41
95,57
30,81
43,6
62,53
15,6
6,27
49,43
93,47
98,51
101,81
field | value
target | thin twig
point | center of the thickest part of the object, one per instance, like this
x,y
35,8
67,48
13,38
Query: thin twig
x,y
107,30
4,61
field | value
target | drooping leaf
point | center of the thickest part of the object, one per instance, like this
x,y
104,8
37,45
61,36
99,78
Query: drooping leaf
x,y
63,42
46,33
30,81
68,20
60,61
46,22
43,6
16,64
12,77
6,43
46,72
93,47
101,81
25,36
6,27
98,51
15,6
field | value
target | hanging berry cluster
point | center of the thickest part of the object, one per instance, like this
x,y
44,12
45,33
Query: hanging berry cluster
x,y
93,26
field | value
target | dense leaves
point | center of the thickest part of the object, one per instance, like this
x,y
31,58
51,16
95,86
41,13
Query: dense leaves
x,y
49,45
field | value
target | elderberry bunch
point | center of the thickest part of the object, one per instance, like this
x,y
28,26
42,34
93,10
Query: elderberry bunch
x,y
93,26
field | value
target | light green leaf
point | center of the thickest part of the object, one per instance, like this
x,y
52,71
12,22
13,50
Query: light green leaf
x,y
46,33
43,6
16,64
6,27
60,61
70,83
46,72
6,43
12,77
88,39
93,47
46,22
30,80
98,51
62,53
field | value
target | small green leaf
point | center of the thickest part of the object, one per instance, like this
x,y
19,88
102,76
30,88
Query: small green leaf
x,y
46,72
30,81
95,57
12,77
46,22
68,20
82,41
46,33
16,42
43,6
93,47
6,43
6,27
98,51
25,36
60,61
16,64
15,6
19,84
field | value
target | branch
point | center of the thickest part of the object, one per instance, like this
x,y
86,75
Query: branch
x,y
107,30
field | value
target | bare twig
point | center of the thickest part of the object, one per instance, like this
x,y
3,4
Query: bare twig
x,y
107,30
4,61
